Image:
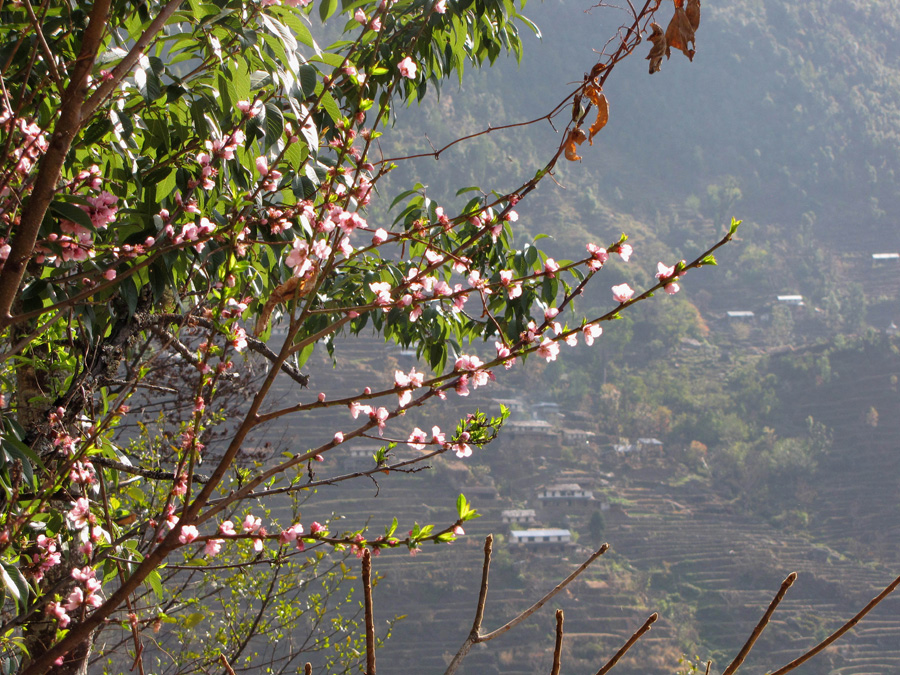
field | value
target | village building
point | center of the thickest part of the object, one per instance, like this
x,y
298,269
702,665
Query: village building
x,y
519,516
647,444
885,257
791,299
567,497
540,538
739,314
578,436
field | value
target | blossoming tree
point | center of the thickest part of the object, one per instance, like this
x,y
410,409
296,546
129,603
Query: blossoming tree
x,y
176,178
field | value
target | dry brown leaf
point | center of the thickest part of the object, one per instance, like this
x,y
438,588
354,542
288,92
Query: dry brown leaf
x,y
602,116
659,49
572,146
679,34
293,288
592,91
679,3
693,13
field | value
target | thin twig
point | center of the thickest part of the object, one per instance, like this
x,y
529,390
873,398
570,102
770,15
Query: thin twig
x,y
540,603
557,650
836,635
628,645
228,669
370,613
760,627
479,609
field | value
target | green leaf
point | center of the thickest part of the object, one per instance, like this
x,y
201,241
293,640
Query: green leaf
x,y
734,226
274,125
155,581
308,77
192,620
15,583
66,211
331,107
327,8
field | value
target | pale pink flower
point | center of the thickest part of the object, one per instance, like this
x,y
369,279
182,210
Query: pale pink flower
x,y
109,274
664,272
360,17
212,548
338,438
548,349
188,534
379,237
625,251
591,331
80,514
227,528
262,165
407,68
671,288
551,267
440,6
251,523
462,450
622,293
417,439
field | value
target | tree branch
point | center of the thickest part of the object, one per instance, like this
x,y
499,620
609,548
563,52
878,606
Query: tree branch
x,y
754,636
628,645
836,635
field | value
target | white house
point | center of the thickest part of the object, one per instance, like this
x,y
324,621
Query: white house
x,y
519,516
791,299
565,492
540,537
739,314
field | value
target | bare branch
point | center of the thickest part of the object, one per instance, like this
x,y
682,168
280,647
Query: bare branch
x,y
370,613
836,635
628,645
472,638
754,636
543,601
557,650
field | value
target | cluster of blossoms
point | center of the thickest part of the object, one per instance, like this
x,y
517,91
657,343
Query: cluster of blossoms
x,y
407,383
30,144
46,556
83,596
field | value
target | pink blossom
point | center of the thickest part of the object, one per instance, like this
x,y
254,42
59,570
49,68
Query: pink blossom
x,y
251,524
440,6
109,274
316,528
458,531
625,251
622,293
462,450
239,339
462,385
213,547
262,165
338,438
227,528
598,256
291,534
382,291
380,236
407,68
380,417
80,514
188,534
58,612
298,258
360,17
417,439
548,349
375,24
664,272
551,267
356,408
591,331
671,288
